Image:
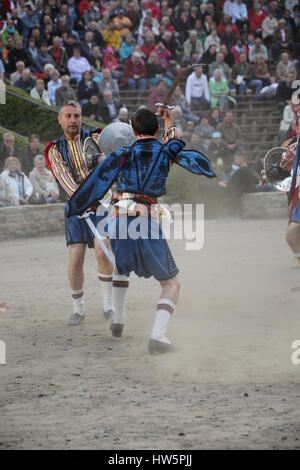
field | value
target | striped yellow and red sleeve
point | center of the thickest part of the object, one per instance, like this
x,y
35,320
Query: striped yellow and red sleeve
x,y
171,133
61,171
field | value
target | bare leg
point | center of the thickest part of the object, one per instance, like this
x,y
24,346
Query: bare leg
x,y
76,280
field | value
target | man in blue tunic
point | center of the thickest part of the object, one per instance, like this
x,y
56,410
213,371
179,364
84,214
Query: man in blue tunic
x,y
141,172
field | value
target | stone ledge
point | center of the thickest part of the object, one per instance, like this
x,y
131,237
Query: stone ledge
x,y
265,205
31,221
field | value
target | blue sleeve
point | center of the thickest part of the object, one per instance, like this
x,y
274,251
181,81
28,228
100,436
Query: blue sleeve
x,y
191,160
97,183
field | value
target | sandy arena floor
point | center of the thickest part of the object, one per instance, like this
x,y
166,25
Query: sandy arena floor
x,y
230,384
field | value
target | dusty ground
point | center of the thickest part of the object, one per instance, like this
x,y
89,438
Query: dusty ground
x,y
230,384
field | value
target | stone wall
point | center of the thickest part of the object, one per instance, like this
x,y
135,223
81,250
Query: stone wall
x,y
31,221
265,205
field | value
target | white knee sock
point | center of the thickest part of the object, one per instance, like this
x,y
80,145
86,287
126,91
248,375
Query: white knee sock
x,y
164,311
119,290
78,301
106,285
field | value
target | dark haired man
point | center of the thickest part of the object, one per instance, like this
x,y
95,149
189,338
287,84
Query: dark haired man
x,y
141,172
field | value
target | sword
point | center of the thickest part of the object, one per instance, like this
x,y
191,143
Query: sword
x,y
98,237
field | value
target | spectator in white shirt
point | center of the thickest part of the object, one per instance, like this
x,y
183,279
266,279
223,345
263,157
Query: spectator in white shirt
x,y
228,7
19,185
77,65
212,40
39,92
240,15
196,91
257,49
53,85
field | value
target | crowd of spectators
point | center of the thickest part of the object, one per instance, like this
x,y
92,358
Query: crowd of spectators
x,y
89,50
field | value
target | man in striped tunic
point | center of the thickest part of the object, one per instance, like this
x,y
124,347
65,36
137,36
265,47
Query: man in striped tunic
x,y
66,160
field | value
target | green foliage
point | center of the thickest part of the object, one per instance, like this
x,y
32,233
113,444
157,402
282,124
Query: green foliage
x,y
26,115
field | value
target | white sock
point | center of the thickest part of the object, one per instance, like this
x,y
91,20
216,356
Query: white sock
x,y
106,285
164,311
78,301
119,290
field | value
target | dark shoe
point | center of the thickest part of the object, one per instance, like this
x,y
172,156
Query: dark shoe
x,y
75,319
117,329
108,315
158,347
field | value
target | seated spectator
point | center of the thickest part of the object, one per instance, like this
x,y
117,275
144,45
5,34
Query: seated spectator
x,y
33,53
285,91
9,30
97,61
127,47
242,77
257,49
87,46
148,45
111,36
123,115
228,38
65,92
286,122
18,73
59,55
256,17
182,26
228,56
19,185
180,100
39,93
7,148
155,72
110,62
285,67
221,65
171,43
15,54
225,22
196,91
205,131
108,83
239,48
215,117
26,82
6,50
44,185
212,40
29,20
269,27
109,107
158,95
228,8
192,46
163,54
209,56
283,41
86,88
134,73
43,57
77,65
92,13
97,37
53,85
6,196
179,121
218,152
122,23
231,132
219,90
134,15
29,153
240,15
261,71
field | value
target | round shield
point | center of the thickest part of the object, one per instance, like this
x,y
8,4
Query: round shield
x,y
272,166
114,136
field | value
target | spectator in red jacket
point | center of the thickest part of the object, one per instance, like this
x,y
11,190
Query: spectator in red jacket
x,y
256,17
134,73
222,26
238,49
154,7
